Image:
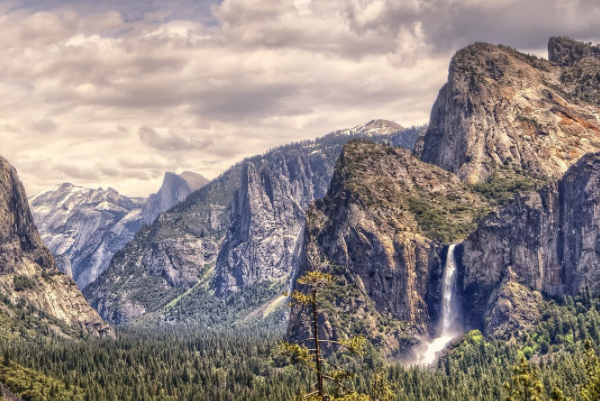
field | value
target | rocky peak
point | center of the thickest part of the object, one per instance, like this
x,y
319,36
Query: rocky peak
x,y
380,231
27,270
175,189
566,51
382,126
504,108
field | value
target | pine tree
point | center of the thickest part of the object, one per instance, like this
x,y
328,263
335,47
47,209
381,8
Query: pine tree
x,y
6,358
591,390
556,394
381,390
525,384
315,282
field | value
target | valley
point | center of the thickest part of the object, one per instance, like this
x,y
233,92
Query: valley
x,y
460,256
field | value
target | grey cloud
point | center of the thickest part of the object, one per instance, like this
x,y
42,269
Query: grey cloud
x,y
132,9
78,171
45,126
170,142
247,100
449,25
130,89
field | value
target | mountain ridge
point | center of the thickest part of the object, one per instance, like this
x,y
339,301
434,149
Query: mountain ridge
x,y
239,231
28,274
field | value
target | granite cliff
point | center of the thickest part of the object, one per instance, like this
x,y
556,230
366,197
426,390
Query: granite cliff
x,y
28,275
505,127
175,188
547,241
380,231
501,107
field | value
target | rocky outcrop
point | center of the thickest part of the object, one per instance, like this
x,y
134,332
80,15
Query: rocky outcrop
x,y
567,52
8,395
28,274
84,227
504,108
377,232
512,311
547,241
175,189
238,231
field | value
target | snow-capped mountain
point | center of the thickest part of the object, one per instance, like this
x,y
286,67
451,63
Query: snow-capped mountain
x,y
84,227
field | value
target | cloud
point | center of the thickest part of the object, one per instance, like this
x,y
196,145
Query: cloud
x,y
45,125
115,93
170,142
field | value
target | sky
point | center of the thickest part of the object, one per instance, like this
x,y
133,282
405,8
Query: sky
x,y
107,93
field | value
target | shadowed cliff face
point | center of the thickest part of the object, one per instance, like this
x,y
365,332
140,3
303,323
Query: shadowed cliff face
x,y
548,241
241,230
373,232
27,270
501,107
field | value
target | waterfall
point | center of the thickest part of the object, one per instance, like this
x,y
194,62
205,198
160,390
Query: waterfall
x,y
449,307
449,324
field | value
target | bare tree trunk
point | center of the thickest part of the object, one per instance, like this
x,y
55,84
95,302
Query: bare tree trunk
x,y
317,345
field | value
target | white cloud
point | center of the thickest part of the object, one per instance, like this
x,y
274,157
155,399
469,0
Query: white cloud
x,y
114,94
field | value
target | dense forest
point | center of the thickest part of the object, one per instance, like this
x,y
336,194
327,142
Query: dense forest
x,y
558,358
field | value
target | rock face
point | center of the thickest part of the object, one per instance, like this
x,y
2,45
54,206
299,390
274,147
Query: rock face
x,y
84,227
513,310
373,232
175,189
501,107
547,241
238,231
27,270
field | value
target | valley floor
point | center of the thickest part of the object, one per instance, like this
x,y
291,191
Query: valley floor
x,y
179,364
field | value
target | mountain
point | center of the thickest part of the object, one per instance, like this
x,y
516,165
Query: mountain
x,y
175,189
226,252
504,128
30,283
380,231
84,227
504,108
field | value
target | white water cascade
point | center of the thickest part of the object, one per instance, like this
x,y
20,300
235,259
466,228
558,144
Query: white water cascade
x,y
449,327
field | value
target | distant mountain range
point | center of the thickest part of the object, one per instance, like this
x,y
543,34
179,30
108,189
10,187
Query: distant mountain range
x,y
233,245
83,227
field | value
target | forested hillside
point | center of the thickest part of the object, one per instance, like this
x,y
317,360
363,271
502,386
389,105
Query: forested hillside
x,y
185,365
